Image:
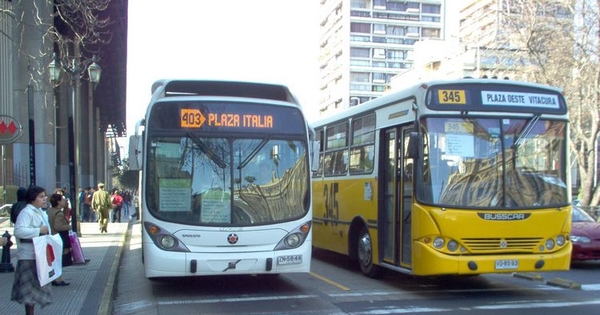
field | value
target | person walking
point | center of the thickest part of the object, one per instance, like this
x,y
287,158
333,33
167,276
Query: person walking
x,y
126,200
31,222
88,214
80,199
101,203
136,207
60,225
117,202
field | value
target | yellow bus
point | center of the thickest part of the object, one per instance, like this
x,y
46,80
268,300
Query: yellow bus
x,y
455,177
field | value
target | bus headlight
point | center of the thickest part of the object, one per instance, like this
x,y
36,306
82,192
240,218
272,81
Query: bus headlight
x,y
452,245
294,238
163,239
549,244
560,240
438,243
167,241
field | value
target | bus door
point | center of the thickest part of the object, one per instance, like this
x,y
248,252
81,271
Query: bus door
x,y
395,209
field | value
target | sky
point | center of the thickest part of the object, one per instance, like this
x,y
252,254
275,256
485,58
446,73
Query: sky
x,y
272,41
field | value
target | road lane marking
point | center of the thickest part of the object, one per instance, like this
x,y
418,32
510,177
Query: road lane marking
x,y
329,281
590,287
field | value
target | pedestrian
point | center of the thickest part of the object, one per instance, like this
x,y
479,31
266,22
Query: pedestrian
x,y
93,213
67,210
31,222
60,225
117,202
136,206
19,205
88,215
101,203
126,202
80,199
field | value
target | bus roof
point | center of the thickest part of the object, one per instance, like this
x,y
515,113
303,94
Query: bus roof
x,y
410,92
276,92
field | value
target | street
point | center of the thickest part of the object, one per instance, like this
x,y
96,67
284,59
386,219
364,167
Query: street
x,y
336,286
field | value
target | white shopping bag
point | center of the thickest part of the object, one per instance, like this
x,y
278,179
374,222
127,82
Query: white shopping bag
x,y
48,257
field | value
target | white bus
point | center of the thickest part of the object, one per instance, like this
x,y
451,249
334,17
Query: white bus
x,y
225,180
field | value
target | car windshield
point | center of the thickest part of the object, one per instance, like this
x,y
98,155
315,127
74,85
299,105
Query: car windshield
x,y
581,216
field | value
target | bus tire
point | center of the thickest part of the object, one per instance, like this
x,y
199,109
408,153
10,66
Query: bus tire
x,y
364,249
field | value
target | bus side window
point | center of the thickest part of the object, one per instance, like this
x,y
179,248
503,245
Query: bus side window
x,y
340,165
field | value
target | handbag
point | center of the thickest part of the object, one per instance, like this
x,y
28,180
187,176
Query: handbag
x,y
48,257
76,251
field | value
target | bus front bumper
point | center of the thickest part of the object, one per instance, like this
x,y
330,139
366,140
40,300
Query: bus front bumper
x,y
436,263
176,264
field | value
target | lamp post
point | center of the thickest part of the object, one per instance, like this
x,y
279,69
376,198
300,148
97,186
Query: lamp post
x,y
76,71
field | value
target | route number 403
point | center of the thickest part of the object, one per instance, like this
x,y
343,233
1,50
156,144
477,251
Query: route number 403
x,y
331,204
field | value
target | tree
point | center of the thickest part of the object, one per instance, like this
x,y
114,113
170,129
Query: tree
x,y
124,178
561,45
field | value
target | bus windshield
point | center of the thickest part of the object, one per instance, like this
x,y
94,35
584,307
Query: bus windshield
x,y
494,163
227,181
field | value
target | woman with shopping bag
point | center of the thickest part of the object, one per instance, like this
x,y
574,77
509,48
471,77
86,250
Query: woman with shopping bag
x,y
31,222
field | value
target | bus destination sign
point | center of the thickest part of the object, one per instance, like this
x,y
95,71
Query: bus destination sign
x,y
495,97
194,118
519,99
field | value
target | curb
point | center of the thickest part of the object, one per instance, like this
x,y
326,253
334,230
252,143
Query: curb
x,y
529,276
107,302
556,282
564,283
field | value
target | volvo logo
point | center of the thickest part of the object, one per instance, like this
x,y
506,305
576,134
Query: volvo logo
x,y
232,238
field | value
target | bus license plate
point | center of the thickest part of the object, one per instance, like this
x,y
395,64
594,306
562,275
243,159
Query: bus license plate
x,y
507,264
289,260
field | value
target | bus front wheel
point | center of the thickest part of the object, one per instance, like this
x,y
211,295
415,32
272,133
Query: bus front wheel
x,y
365,254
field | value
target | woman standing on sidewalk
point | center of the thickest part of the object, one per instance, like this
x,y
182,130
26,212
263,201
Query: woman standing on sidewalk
x,y
59,224
31,222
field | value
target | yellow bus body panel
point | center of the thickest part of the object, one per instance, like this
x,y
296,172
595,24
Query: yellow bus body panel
x,y
466,226
331,231
333,235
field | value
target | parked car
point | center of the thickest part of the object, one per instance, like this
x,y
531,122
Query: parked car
x,y
585,236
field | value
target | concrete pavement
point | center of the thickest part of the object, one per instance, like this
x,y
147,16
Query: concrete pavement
x,y
92,285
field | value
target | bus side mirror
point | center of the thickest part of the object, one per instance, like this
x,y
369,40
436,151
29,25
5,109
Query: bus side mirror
x,y
413,145
135,153
314,156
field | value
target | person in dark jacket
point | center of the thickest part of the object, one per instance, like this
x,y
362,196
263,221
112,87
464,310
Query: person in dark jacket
x,y
19,205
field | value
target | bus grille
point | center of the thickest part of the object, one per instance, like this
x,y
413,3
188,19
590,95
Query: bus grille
x,y
480,245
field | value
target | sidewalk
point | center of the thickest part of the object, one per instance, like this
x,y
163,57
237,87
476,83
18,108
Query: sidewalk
x,y
92,284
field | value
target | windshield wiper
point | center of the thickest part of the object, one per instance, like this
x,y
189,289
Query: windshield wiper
x,y
526,131
207,150
254,152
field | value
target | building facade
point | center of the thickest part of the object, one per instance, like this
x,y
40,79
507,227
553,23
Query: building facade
x,y
364,43
42,155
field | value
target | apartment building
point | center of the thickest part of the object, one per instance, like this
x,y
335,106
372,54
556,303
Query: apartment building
x,y
364,43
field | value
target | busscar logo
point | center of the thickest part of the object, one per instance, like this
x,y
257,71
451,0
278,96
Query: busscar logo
x,y
504,216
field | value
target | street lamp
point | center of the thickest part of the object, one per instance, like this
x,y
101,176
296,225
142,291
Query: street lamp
x,y
76,71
